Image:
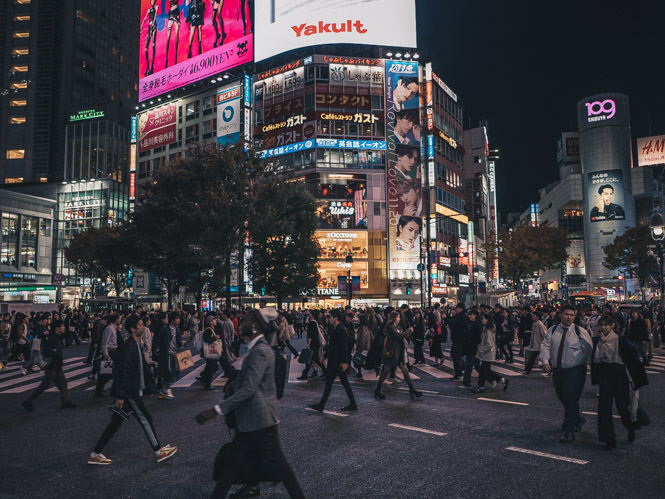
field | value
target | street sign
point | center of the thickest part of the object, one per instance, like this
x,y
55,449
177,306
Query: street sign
x,y
56,278
421,267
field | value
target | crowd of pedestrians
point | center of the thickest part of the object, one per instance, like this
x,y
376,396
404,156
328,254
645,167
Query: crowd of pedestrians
x,y
136,355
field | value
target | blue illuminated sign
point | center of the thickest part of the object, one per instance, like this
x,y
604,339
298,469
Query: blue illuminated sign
x,y
371,145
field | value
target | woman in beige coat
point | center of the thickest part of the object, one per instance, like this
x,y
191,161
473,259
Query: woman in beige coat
x,y
538,331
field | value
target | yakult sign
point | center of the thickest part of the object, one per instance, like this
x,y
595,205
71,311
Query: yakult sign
x,y
283,25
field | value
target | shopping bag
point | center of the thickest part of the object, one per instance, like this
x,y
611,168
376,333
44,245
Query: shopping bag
x,y
184,360
306,356
358,359
106,367
212,350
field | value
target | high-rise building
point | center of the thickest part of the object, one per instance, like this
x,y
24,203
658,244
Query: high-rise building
x,y
67,85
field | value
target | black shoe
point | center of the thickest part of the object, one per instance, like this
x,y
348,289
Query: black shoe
x,y
350,407
209,388
27,405
567,437
579,426
610,445
302,378
478,390
247,491
505,385
68,405
456,378
316,407
631,435
378,394
415,394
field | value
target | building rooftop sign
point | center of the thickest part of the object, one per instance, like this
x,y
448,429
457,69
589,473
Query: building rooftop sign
x,y
88,114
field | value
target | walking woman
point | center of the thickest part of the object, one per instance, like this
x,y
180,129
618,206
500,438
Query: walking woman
x,y
435,350
486,354
612,356
364,338
418,337
285,335
394,355
174,19
19,337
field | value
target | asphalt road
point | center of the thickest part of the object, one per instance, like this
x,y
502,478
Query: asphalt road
x,y
451,443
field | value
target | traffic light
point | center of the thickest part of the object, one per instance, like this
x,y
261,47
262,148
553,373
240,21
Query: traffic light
x,y
408,290
263,291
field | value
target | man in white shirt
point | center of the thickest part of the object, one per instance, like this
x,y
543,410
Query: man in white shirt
x,y
565,351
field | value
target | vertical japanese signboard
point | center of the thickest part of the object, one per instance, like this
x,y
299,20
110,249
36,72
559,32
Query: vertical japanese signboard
x,y
405,207
157,127
228,114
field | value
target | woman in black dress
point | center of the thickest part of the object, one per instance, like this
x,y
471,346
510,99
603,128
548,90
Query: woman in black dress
x,y
218,19
197,9
174,19
394,355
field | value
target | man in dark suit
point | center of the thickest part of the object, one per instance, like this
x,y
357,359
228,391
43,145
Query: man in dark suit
x,y
338,363
254,404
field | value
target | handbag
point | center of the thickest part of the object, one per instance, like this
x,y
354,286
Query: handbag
x,y
642,417
359,358
306,356
212,350
106,367
184,360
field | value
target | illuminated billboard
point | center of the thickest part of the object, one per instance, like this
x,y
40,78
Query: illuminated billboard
x,y
605,196
228,114
157,127
283,25
183,41
405,210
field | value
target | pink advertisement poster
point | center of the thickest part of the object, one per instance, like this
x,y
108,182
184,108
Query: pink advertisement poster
x,y
157,127
183,41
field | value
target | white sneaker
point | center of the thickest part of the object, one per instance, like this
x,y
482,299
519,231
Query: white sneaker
x,y
101,459
23,372
166,394
165,452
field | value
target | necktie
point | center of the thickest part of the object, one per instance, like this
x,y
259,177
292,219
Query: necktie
x,y
559,354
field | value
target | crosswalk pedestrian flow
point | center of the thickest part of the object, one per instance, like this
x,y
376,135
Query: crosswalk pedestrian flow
x,y
12,381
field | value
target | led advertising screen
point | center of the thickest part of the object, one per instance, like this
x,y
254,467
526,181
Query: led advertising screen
x,y
605,196
157,127
228,114
183,41
405,207
283,25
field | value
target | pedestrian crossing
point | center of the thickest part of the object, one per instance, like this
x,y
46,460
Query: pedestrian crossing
x,y
13,382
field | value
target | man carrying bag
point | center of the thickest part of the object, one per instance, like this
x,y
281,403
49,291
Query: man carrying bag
x,y
254,404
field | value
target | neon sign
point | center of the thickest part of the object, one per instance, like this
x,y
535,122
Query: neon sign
x,y
600,111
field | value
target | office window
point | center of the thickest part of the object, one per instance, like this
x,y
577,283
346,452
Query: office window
x,y
15,153
22,17
19,85
22,51
21,2
13,180
19,69
16,120
17,102
9,239
29,226
21,34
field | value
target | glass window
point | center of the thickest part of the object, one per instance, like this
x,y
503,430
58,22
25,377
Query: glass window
x,y
15,153
9,239
22,68
21,34
22,17
16,120
44,227
21,2
19,85
17,102
21,51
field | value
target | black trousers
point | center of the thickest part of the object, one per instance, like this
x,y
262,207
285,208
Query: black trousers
x,y
265,443
51,377
613,384
568,385
532,356
470,362
331,374
315,360
209,371
418,353
142,416
485,373
458,362
506,350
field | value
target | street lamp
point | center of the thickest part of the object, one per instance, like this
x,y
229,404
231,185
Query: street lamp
x,y
349,287
657,225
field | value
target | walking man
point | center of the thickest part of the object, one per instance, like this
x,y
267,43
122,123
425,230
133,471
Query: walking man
x,y
128,386
459,329
53,372
338,363
565,351
254,404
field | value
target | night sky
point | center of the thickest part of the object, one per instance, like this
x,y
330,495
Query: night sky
x,y
524,65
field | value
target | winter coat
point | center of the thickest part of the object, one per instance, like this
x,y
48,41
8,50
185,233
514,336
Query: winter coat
x,y
538,332
393,351
364,338
487,348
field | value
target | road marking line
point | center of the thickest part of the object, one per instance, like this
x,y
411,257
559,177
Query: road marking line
x,y
424,391
31,386
502,401
331,413
421,430
596,414
38,375
545,454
